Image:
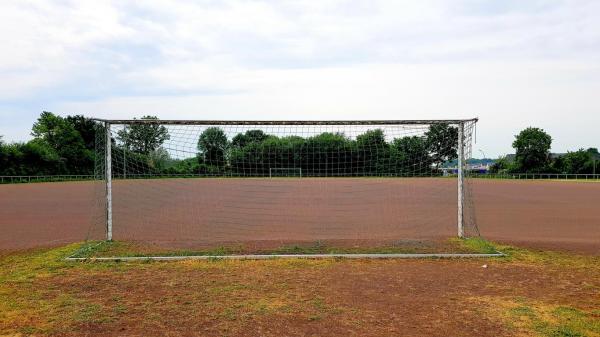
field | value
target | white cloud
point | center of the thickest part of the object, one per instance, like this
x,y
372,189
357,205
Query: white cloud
x,y
43,42
505,97
512,63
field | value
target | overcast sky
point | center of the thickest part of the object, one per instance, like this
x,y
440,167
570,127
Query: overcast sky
x,y
513,64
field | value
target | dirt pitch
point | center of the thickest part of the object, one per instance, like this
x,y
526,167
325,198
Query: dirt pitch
x,y
529,293
543,214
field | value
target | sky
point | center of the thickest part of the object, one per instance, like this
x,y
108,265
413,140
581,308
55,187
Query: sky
x,y
511,63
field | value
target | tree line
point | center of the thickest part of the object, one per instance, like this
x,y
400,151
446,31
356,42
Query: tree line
x,y
138,149
67,145
532,155
59,146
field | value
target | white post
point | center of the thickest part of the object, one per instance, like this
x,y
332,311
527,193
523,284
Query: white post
x,y
461,167
108,172
125,149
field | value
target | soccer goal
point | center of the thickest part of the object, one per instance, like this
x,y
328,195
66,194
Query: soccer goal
x,y
285,172
352,188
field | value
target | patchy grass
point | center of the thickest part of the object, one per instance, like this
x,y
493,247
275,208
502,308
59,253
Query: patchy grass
x,y
33,310
42,294
132,249
535,318
33,303
546,258
476,245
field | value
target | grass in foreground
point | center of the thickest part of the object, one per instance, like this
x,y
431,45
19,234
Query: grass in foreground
x,y
527,293
525,316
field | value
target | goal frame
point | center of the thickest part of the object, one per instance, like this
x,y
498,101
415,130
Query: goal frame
x,y
461,168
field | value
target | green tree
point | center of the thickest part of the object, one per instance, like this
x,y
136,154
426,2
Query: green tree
x,y
501,165
532,147
442,143
143,138
410,156
371,138
183,166
10,159
86,128
325,154
62,138
250,136
159,159
595,158
373,152
40,159
52,129
577,162
594,152
32,158
212,146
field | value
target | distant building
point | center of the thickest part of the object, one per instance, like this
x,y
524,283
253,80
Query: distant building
x,y
473,165
511,157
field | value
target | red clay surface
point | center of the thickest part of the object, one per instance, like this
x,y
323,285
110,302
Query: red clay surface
x,y
544,214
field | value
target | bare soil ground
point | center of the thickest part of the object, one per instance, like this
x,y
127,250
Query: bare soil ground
x,y
46,214
562,215
528,294
540,214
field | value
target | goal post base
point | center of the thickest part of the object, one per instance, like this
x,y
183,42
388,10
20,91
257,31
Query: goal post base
x,y
475,247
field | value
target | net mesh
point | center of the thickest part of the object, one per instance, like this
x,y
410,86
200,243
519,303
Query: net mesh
x,y
267,186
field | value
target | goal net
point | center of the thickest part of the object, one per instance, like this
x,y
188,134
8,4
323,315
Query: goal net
x,y
350,185
285,172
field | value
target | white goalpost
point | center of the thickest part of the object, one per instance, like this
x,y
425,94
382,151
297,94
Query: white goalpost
x,y
368,188
108,178
461,179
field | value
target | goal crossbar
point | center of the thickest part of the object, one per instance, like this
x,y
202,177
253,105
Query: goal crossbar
x,y
298,122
